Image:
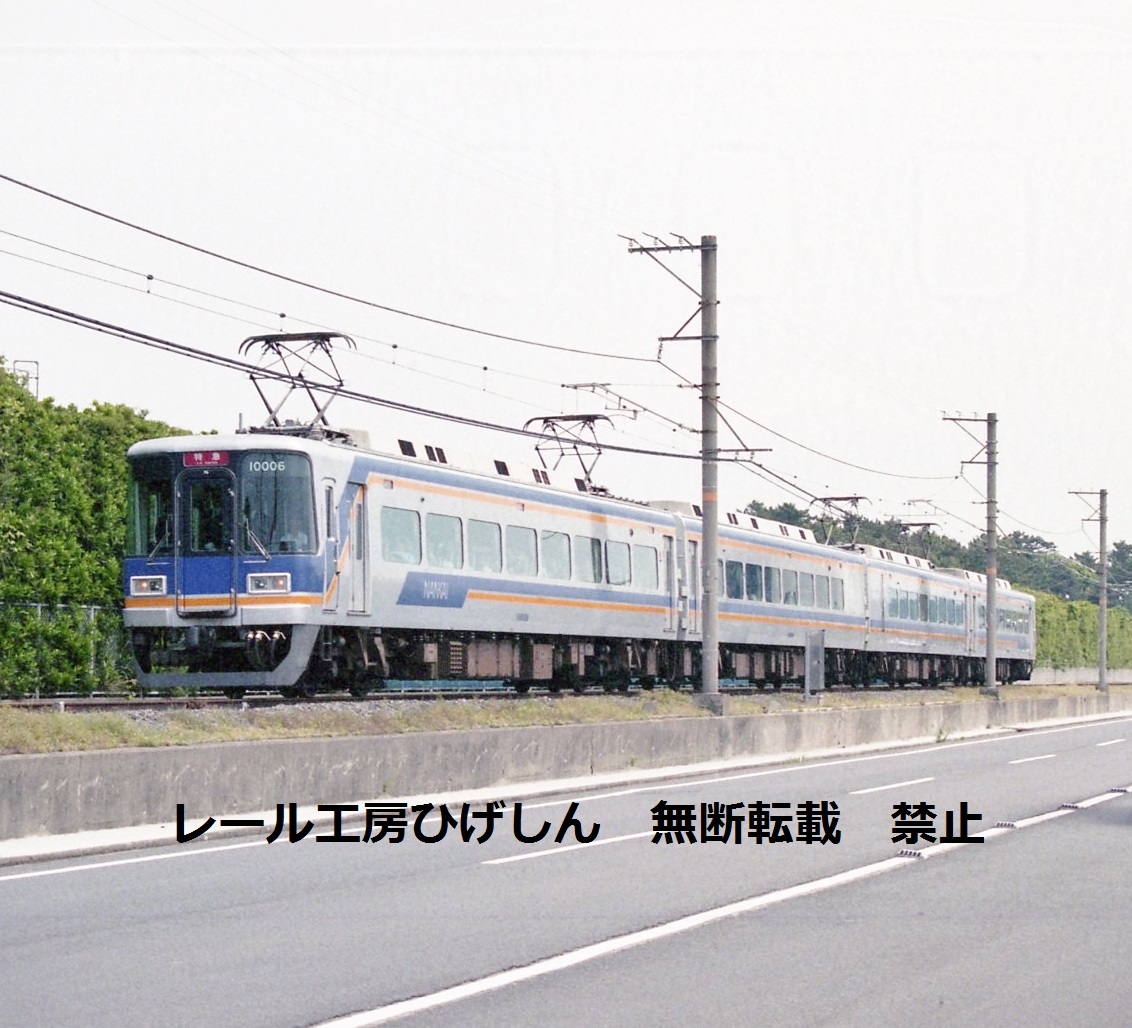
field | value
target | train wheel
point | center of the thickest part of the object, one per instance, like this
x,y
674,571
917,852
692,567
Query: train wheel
x,y
363,685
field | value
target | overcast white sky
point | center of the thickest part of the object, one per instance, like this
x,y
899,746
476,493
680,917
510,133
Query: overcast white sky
x,y
921,208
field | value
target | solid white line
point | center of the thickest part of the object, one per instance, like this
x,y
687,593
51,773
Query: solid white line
x,y
1037,819
566,849
380,1015
131,860
1092,801
894,785
1111,742
1027,760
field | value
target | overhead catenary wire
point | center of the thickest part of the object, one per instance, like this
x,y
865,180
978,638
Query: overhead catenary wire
x,y
325,290
233,364
152,280
279,276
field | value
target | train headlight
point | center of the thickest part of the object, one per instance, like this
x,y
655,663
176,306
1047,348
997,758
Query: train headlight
x,y
278,582
147,585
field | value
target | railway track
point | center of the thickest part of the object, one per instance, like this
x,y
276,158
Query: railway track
x,y
250,700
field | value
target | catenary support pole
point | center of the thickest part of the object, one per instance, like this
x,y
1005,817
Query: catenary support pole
x,y
709,392
1102,625
991,687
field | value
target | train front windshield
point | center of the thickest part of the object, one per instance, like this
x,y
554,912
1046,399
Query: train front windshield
x,y
276,503
262,498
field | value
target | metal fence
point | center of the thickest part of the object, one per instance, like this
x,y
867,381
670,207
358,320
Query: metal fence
x,y
62,648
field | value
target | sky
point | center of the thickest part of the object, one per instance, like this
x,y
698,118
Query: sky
x,y
922,211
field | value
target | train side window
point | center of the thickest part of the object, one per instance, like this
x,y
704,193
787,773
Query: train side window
x,y
485,547
773,581
806,589
821,591
837,593
587,558
555,554
790,587
902,603
444,541
617,563
645,567
893,603
400,535
754,574
733,579
521,551
933,610
922,613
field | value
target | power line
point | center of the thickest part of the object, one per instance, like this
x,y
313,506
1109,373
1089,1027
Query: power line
x,y
326,291
232,364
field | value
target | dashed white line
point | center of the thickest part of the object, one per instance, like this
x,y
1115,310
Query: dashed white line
x,y
1027,760
1111,742
894,785
566,849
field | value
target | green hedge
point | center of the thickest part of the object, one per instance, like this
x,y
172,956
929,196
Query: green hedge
x,y
1068,632
46,649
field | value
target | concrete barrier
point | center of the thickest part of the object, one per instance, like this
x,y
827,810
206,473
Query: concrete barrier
x,y
61,793
1078,676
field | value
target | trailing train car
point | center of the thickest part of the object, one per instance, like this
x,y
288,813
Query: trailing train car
x,y
276,559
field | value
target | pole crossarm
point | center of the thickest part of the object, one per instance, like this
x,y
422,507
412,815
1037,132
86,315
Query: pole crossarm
x,y
990,448
1100,515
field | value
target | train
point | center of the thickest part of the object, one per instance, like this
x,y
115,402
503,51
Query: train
x,y
302,560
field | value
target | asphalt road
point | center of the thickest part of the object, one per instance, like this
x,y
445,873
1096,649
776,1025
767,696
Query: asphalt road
x,y
1024,928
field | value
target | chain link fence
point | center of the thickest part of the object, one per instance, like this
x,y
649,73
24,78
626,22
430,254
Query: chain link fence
x,y
62,648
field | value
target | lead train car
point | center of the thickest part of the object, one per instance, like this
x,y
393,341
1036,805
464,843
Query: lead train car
x,y
271,560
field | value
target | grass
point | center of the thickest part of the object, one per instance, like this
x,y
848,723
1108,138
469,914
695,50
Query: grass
x,y
24,730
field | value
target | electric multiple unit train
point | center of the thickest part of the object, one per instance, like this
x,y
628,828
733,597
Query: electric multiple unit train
x,y
271,559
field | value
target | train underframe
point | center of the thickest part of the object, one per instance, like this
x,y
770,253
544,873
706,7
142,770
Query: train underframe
x,y
362,659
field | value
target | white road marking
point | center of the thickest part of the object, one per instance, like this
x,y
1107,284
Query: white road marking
x,y
380,1015
1111,742
567,849
549,965
131,860
894,785
1027,760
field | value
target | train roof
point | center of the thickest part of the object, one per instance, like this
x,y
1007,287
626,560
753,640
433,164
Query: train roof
x,y
303,440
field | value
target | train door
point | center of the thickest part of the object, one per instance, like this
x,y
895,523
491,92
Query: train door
x,y
359,546
695,586
204,544
671,585
971,613
330,550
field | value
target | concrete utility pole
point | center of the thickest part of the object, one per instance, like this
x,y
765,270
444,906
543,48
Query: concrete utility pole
x,y
1102,638
1102,602
709,447
991,687
709,413
990,447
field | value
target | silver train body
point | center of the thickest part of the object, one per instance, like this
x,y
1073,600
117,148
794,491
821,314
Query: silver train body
x,y
271,560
